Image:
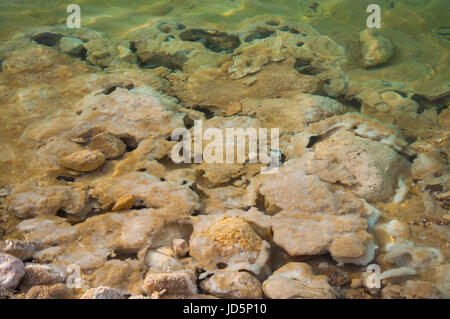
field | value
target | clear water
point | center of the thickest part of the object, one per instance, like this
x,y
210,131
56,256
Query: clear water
x,y
419,29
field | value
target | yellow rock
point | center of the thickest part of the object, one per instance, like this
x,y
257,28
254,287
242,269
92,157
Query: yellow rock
x,y
125,202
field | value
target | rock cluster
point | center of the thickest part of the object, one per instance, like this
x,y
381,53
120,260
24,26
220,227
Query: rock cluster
x,y
88,182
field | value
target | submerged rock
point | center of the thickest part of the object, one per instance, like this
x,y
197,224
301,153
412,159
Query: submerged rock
x,y
297,280
102,292
376,49
413,289
229,243
176,282
233,285
38,275
111,146
311,219
11,272
404,253
83,161
20,249
57,291
180,247
71,45
29,200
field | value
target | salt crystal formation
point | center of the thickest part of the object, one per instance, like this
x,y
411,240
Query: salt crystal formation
x,y
88,188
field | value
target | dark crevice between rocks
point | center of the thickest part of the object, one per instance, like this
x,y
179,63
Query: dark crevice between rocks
x,y
83,54
47,38
172,62
353,102
188,121
212,40
291,30
304,67
425,104
313,140
401,94
170,165
260,203
130,142
201,195
133,47
411,158
206,110
66,179
259,33
273,23
71,219
111,89
118,255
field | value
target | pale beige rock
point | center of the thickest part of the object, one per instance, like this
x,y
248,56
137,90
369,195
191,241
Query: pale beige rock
x,y
274,80
47,231
297,112
355,151
71,45
111,146
180,246
361,125
175,282
11,272
20,249
233,285
147,191
370,169
405,253
29,200
83,161
163,259
443,279
376,49
228,242
125,276
297,280
310,218
394,228
413,289
102,292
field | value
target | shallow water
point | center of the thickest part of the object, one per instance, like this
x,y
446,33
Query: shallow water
x,y
418,72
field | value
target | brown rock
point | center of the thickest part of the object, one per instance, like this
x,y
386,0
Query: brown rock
x,y
413,289
108,144
336,276
58,291
37,275
176,282
83,161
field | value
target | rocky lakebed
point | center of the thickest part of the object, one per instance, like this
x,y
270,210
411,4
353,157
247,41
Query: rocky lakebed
x,y
92,206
